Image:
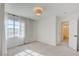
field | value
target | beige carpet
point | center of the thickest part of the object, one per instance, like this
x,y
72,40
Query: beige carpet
x,y
41,49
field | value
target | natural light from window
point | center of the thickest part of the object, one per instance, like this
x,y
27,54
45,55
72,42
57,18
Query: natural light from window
x,y
15,29
28,52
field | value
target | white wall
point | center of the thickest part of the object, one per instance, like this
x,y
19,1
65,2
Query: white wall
x,y
46,30
1,21
58,29
30,31
3,50
34,32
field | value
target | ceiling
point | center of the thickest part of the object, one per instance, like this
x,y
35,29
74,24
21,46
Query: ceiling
x,y
56,9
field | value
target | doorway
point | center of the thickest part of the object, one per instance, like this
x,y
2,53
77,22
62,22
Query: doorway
x,y
65,32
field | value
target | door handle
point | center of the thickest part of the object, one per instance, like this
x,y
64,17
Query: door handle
x,y
75,35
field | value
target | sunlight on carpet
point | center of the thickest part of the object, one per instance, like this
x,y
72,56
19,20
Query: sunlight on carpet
x,y
28,53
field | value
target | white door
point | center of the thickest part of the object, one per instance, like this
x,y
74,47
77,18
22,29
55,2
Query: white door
x,y
73,33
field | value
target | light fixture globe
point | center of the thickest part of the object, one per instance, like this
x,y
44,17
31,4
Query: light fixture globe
x,y
38,11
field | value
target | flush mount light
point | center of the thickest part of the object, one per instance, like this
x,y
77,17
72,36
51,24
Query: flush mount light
x,y
38,11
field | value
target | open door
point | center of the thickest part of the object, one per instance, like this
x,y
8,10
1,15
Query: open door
x,y
73,33
66,32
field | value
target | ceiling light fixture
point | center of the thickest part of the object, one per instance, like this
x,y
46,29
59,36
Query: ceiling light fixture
x,y
38,11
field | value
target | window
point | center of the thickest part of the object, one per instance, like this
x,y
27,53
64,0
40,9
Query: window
x,y
22,30
15,29
10,28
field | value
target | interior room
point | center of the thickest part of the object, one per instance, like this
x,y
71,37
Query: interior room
x,y
39,29
65,32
